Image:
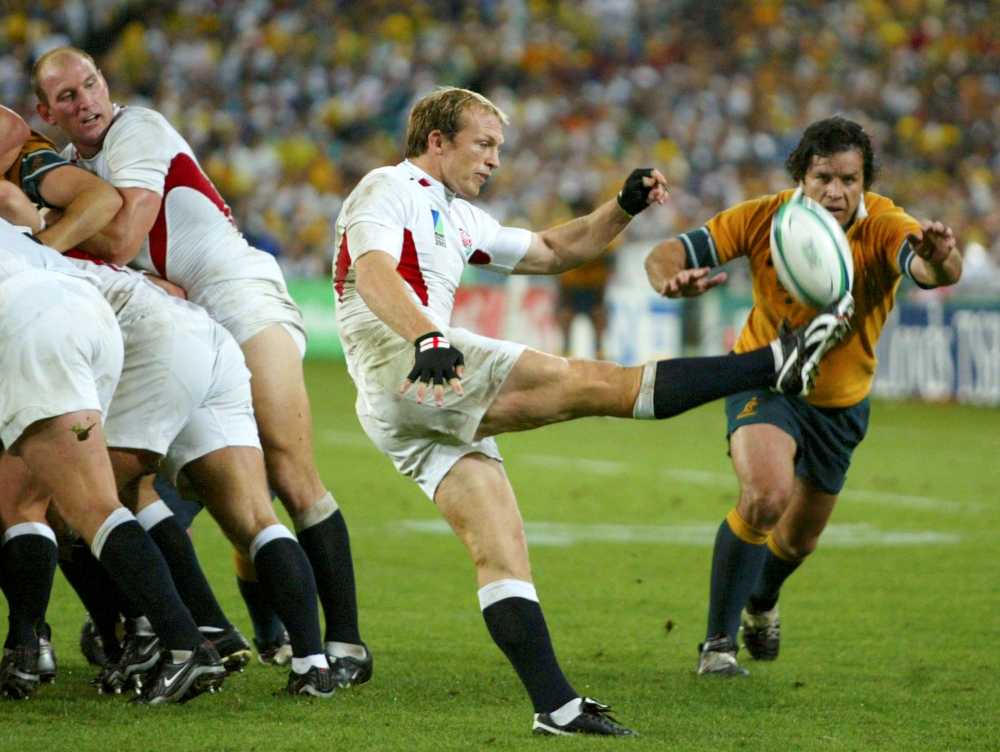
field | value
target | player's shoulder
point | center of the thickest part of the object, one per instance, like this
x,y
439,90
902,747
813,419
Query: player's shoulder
x,y
381,185
762,206
38,142
133,121
880,206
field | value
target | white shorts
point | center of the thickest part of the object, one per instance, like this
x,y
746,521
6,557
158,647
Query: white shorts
x,y
180,365
425,441
249,306
62,350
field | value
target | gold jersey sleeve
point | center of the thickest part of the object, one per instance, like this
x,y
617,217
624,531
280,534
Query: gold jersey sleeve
x,y
847,371
38,157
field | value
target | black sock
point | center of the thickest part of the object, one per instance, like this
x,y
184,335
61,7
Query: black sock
x,y
136,564
735,569
684,383
328,546
772,576
176,547
267,626
30,561
518,628
285,576
101,596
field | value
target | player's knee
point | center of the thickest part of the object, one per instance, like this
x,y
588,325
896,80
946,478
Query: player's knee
x,y
762,506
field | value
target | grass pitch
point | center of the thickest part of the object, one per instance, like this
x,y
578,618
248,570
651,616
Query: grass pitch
x,y
889,629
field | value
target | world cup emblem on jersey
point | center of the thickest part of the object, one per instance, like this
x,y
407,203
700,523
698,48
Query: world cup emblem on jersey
x,y
438,229
466,241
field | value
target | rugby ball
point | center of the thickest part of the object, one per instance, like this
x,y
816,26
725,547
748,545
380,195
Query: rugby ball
x,y
810,252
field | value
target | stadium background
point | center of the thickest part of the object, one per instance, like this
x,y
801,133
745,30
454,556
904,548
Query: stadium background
x,y
889,629
288,104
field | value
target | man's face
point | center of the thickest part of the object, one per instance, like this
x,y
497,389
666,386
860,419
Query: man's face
x,y
78,102
468,161
836,182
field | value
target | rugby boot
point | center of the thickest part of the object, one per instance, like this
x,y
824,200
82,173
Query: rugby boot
x,y
717,657
762,633
595,718
19,673
274,653
140,654
826,329
233,649
171,682
790,376
349,671
47,666
91,644
317,682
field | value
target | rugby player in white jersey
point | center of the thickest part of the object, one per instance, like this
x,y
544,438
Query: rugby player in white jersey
x,y
184,398
62,360
174,224
404,237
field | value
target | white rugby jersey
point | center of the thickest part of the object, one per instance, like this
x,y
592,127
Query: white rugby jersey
x,y
128,292
431,233
193,242
20,253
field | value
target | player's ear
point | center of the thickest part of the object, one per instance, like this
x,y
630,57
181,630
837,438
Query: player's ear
x,y
43,112
435,141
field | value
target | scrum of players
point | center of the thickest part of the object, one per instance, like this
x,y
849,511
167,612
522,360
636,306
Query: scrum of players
x,y
208,391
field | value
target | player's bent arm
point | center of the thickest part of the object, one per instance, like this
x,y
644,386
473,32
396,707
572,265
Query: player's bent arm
x,y
13,133
574,243
121,240
387,295
16,207
667,273
937,262
88,205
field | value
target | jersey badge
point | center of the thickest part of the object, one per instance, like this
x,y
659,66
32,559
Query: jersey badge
x,y
749,410
466,241
438,228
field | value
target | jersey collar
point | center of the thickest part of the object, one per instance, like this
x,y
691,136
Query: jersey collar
x,y
436,187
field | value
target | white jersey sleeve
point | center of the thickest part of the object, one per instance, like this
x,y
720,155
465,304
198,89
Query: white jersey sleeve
x,y
138,151
376,218
496,247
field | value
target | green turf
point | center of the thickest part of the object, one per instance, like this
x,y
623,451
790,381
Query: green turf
x,y
886,646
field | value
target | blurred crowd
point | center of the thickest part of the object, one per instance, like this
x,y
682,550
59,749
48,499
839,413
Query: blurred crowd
x,y
288,103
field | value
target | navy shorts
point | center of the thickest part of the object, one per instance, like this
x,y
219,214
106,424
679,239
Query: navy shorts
x,y
825,436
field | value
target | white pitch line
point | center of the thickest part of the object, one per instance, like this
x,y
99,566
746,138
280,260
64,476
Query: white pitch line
x,y
728,480
696,534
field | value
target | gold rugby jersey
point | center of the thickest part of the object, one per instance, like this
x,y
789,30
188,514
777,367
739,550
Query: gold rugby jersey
x,y
881,256
38,156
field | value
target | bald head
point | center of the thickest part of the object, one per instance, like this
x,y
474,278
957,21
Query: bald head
x,y
73,95
54,59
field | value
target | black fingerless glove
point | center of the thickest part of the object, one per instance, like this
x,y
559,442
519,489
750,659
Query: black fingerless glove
x,y
635,194
436,360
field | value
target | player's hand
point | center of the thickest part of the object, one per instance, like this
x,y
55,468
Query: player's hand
x,y
691,283
643,187
436,362
934,243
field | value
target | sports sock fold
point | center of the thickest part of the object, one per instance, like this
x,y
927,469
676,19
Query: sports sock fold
x,y
286,579
736,562
137,566
322,532
515,621
185,569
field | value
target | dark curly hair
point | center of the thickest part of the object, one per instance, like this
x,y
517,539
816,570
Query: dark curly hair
x,y
825,138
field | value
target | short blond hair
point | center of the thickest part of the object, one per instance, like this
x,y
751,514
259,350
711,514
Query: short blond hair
x,y
444,110
53,56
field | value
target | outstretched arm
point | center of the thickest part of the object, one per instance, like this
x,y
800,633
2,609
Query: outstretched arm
x,y
580,240
938,262
88,205
665,269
